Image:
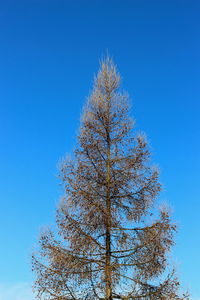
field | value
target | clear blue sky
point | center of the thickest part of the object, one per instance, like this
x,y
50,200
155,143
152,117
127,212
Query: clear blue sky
x,y
49,52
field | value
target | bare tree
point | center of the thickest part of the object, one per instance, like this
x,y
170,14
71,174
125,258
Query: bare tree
x,y
107,246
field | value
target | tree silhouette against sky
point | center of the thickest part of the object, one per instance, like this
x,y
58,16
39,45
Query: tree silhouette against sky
x,y
109,245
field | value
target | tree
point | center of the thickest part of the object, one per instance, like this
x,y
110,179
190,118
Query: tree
x,y
107,246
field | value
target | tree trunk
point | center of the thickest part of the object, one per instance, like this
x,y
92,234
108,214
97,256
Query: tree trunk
x,y
108,225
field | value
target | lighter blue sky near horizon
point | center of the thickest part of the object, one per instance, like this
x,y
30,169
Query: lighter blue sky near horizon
x,y
49,54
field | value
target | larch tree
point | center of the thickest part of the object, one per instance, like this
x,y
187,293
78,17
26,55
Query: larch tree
x,y
108,245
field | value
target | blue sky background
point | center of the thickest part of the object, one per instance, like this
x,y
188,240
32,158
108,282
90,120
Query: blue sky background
x,y
49,53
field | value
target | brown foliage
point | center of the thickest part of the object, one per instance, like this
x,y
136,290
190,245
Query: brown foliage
x,y
105,248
